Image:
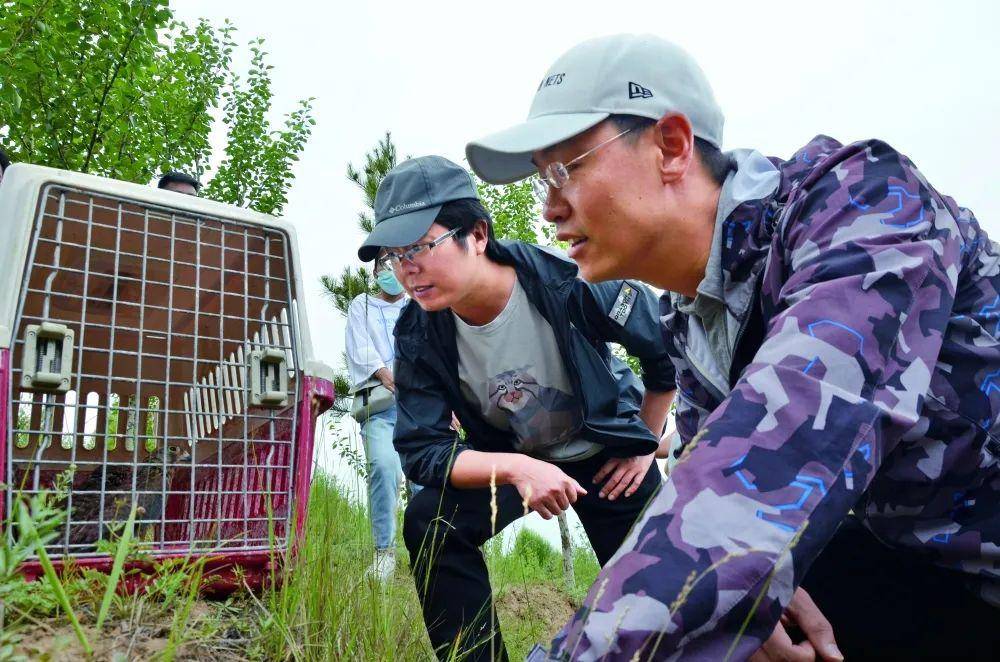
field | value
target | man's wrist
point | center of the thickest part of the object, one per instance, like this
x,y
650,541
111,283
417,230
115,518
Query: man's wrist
x,y
510,467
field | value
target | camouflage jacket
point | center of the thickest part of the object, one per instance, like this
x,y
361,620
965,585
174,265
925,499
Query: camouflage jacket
x,y
865,375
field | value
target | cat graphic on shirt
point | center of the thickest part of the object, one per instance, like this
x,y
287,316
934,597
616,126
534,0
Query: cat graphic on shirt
x,y
539,415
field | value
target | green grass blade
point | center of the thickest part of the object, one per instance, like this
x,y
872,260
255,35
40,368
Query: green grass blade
x,y
28,529
182,616
124,543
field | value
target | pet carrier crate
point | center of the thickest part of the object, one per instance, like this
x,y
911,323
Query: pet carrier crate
x,y
155,346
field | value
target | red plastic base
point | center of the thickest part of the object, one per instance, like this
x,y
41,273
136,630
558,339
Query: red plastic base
x,y
222,574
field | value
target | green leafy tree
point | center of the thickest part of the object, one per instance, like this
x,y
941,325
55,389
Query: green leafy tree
x,y
516,213
120,88
256,171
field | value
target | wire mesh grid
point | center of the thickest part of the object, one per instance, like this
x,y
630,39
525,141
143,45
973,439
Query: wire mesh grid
x,y
167,312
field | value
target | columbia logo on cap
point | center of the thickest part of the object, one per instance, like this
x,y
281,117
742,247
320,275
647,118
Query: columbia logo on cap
x,y
637,91
405,205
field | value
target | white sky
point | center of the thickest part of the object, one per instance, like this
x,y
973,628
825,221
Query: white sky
x,y
924,76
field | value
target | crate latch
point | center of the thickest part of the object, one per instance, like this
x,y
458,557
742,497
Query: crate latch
x,y
268,378
48,357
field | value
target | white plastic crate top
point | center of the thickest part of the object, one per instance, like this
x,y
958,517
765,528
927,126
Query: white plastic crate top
x,y
19,208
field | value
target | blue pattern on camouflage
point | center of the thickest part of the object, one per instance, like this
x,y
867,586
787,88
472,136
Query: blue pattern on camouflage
x,y
876,387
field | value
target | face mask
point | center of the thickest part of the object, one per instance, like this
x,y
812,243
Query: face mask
x,y
387,282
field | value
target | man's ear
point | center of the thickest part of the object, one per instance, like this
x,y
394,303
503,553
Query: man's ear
x,y
480,236
674,141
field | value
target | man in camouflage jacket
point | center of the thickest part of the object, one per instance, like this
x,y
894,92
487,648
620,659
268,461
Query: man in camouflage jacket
x,y
833,320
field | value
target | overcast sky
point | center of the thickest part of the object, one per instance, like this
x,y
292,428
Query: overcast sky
x,y
925,76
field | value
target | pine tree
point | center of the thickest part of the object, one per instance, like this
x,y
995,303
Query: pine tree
x,y
351,282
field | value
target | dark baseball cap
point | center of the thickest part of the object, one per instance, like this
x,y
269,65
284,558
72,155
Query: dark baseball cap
x,y
178,177
409,199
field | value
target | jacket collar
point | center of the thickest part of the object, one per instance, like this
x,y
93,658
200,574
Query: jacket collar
x,y
550,265
754,178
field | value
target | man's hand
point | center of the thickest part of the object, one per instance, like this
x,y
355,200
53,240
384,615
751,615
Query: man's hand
x,y
624,474
663,448
545,488
803,613
384,375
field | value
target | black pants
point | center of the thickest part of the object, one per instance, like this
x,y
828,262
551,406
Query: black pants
x,y
444,530
887,605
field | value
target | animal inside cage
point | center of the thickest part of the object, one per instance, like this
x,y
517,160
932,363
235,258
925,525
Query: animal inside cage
x,y
154,353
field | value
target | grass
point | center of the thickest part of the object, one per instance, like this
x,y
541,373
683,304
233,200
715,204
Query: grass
x,y
57,619
323,609
363,620
533,601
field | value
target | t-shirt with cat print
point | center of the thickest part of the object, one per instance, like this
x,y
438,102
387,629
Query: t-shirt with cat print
x,y
511,368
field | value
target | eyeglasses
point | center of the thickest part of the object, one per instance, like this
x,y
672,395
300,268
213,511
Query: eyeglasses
x,y
556,174
394,259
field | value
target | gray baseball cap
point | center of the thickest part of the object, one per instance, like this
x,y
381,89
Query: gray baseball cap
x,y
625,74
409,199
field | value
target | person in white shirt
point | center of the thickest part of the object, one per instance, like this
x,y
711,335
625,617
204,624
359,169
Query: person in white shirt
x,y
370,353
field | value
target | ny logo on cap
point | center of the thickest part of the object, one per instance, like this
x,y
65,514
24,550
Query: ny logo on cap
x,y
637,91
554,79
